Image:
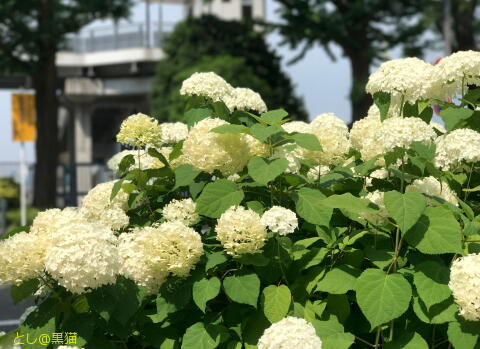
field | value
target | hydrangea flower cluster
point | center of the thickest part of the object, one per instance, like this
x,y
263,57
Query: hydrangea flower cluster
x,y
464,283
183,211
457,147
139,130
241,231
280,220
433,187
288,333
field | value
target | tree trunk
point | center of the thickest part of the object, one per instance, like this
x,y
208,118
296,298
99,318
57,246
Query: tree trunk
x,y
359,99
464,24
45,83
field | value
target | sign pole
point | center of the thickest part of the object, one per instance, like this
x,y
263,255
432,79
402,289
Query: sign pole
x,y
23,185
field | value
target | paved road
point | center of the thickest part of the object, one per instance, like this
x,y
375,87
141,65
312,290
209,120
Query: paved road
x,y
9,313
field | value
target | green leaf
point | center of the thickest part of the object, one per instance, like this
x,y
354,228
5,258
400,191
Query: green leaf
x,y
256,206
176,151
217,197
454,115
349,202
431,281
197,114
81,324
24,290
253,259
464,334
307,141
382,101
185,175
230,128
309,205
339,280
243,288
338,341
126,162
436,232
205,290
197,337
408,340
275,302
262,133
116,188
438,313
262,171
156,154
406,208
214,259
221,110
39,323
274,117
382,297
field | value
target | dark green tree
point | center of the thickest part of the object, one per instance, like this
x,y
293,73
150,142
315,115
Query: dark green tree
x,y
364,30
230,48
465,24
31,33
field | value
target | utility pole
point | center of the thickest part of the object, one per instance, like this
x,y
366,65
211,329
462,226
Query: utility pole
x,y
447,27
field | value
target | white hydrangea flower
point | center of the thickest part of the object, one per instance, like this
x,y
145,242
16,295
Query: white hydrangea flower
x,y
84,257
362,134
280,220
380,217
332,133
21,257
290,333
296,126
173,132
433,187
241,231
210,151
97,206
408,79
256,147
143,160
401,132
139,130
317,171
208,85
244,99
381,173
181,210
464,282
459,70
149,254
438,127
456,147
293,157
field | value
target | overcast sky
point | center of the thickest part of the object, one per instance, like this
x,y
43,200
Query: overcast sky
x,y
323,84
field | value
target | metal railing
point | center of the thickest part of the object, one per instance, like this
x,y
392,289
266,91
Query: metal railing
x,y
116,37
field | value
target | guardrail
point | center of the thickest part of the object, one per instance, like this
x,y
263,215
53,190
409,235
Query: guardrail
x,y
116,37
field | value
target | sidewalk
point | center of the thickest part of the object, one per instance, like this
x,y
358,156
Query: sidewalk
x,y
9,313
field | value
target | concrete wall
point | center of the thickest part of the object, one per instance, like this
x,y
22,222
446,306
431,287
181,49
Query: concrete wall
x,y
229,10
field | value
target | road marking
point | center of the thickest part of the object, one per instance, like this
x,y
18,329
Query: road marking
x,y
9,322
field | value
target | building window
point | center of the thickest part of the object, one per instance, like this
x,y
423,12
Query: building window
x,y
247,11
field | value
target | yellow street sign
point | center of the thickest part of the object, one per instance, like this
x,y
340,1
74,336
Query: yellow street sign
x,y
24,117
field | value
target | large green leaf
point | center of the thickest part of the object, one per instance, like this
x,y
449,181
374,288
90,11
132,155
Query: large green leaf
x,y
217,197
408,340
38,324
438,313
263,171
307,141
453,116
382,297
310,207
349,202
274,117
406,208
436,232
24,290
243,288
231,128
339,280
431,281
205,290
276,302
332,334
184,175
464,334
197,337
